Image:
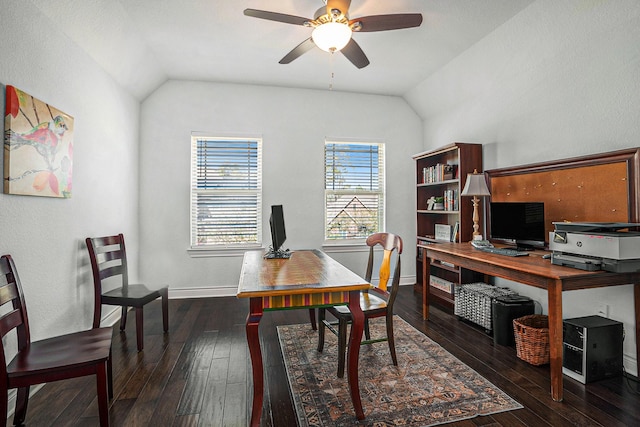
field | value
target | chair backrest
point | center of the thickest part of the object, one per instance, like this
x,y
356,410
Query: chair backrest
x,y
108,259
14,318
389,243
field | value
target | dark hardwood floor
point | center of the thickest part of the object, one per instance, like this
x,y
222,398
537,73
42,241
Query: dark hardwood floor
x,y
199,374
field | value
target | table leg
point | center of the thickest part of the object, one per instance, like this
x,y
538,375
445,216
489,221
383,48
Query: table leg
x,y
357,326
425,284
253,339
554,292
636,298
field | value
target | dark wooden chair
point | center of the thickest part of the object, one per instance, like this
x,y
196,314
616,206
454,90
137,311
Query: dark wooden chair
x,y
376,302
109,259
67,356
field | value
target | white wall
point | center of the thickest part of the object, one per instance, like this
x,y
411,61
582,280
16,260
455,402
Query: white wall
x,y
560,79
45,235
293,124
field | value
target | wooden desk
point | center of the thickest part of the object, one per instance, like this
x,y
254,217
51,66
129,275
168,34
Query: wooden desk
x,y
533,271
308,279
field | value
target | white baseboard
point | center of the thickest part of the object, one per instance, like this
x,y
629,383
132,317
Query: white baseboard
x,y
224,291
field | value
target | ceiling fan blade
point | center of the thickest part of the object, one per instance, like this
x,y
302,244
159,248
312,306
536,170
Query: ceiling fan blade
x,y
274,16
297,51
388,22
341,5
354,53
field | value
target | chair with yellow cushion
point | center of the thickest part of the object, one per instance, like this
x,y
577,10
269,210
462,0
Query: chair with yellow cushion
x,y
375,302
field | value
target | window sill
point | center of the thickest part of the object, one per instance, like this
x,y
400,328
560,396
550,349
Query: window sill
x,y
342,247
226,251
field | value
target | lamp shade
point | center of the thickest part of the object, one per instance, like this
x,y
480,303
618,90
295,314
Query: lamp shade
x,y
331,36
475,185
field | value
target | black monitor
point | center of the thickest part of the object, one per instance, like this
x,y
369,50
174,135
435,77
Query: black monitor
x,y
519,223
278,233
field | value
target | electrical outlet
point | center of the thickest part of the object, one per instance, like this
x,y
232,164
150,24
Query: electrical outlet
x,y
602,310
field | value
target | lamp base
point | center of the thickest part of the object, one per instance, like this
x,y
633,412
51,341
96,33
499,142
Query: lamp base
x,y
478,237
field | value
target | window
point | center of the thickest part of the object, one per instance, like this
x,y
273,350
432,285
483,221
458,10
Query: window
x,y
226,192
354,189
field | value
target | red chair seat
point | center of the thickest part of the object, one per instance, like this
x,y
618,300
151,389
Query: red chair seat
x,y
53,357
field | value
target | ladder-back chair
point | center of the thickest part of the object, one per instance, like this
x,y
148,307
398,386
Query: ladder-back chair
x,y
375,302
109,259
63,357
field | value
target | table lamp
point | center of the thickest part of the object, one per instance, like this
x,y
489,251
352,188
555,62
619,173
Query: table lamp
x,y
475,186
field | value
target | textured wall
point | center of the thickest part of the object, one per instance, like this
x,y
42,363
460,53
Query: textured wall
x,y
45,235
560,79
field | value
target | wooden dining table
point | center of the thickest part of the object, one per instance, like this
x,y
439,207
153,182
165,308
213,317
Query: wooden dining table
x,y
308,279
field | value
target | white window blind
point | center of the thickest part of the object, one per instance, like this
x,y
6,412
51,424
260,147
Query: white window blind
x,y
354,189
226,191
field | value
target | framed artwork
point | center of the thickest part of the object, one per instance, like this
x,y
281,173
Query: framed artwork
x,y
443,232
38,147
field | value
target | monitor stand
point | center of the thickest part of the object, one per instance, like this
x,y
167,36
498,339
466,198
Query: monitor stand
x,y
279,254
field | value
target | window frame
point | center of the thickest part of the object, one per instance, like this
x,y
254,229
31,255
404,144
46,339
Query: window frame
x,y
223,249
343,244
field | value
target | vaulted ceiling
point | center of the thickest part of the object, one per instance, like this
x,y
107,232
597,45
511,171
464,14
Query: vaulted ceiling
x,y
143,43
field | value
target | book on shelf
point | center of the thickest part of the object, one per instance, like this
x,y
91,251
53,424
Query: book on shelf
x,y
439,172
451,200
427,240
455,231
442,284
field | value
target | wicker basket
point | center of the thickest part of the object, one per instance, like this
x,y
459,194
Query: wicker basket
x,y
473,302
532,338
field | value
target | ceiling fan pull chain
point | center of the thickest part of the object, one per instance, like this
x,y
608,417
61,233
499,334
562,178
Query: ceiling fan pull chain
x,y
331,71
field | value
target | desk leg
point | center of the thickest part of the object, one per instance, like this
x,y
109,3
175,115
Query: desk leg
x,y
425,284
554,291
357,326
636,298
253,339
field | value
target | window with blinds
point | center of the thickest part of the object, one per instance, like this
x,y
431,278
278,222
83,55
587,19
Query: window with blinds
x,y
226,191
354,189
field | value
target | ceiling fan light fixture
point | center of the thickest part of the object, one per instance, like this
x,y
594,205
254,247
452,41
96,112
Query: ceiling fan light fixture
x,y
331,36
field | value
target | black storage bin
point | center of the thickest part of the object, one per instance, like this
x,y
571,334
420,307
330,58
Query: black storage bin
x,y
505,309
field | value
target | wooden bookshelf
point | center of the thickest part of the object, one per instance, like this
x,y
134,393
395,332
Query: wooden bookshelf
x,y
442,173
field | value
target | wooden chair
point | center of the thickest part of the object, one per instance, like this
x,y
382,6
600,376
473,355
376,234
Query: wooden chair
x,y
376,302
109,259
67,356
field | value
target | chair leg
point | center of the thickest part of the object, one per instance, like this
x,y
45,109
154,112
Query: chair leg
x,y
123,318
4,403
391,339
110,376
321,317
103,393
165,310
139,328
342,345
312,318
367,332
22,401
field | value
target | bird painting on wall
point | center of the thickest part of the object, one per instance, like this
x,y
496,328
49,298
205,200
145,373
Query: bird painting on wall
x,y
38,153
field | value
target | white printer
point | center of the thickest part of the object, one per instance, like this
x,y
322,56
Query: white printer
x,y
609,246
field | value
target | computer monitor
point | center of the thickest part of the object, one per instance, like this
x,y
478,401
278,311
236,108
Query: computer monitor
x,y
278,233
519,223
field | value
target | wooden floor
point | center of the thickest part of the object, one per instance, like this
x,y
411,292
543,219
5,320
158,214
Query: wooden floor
x,y
199,374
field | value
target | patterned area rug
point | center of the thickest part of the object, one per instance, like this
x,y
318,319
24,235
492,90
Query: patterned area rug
x,y
428,387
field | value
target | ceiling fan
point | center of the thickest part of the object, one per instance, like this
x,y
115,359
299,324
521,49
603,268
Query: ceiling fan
x,y
332,29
